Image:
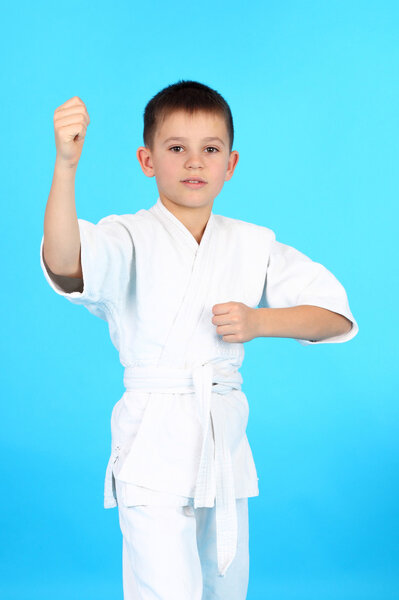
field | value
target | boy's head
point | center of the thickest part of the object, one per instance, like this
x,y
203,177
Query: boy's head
x,y
188,134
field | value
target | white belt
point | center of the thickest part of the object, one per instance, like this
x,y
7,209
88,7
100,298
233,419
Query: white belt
x,y
200,379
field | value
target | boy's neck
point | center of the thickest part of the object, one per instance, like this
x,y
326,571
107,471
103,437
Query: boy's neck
x,y
194,218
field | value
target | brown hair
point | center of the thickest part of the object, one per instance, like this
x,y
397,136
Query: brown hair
x,y
185,95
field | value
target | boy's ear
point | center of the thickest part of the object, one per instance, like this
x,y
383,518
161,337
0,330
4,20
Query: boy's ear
x,y
144,157
233,160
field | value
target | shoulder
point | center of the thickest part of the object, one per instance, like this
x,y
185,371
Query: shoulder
x,y
115,224
127,220
119,229
245,228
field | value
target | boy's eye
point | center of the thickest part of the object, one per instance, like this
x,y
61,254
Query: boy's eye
x,y
209,147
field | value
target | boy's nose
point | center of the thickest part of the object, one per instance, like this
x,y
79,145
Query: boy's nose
x,y
194,161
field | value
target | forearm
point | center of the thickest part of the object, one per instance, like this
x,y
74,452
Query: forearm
x,y
303,322
61,246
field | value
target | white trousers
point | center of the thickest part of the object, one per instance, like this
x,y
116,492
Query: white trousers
x,y
169,553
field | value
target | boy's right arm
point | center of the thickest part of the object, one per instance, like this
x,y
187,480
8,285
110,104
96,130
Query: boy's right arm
x,y
61,244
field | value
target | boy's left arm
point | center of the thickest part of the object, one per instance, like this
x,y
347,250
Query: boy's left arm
x,y
301,299
304,322
237,322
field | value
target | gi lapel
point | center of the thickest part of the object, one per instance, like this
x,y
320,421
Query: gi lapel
x,y
188,314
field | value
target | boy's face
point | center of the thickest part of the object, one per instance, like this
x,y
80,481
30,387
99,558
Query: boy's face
x,y
193,155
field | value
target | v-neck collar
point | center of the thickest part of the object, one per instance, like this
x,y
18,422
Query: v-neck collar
x,y
160,209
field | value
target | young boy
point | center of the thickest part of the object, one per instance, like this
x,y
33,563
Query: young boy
x,y
182,289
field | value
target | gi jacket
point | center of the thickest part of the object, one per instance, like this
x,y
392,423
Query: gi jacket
x,y
179,430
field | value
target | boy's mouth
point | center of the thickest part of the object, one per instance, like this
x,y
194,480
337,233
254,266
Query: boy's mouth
x,y
194,182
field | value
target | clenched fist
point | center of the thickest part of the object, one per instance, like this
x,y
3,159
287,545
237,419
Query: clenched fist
x,y
70,123
236,322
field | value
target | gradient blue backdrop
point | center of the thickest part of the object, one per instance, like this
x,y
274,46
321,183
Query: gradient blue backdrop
x,y
313,87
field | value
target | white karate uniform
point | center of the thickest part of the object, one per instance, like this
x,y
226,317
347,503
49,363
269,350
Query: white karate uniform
x,y
179,429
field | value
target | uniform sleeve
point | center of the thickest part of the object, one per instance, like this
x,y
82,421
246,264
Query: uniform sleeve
x,y
293,279
107,257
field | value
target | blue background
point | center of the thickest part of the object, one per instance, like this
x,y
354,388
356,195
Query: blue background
x,y
313,88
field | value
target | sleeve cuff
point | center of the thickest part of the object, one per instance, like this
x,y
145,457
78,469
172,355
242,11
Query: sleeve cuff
x,y
343,337
70,287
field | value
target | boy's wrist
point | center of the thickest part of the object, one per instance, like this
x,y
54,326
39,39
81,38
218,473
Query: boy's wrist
x,y
64,168
267,322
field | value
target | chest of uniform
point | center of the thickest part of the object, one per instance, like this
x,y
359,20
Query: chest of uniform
x,y
229,267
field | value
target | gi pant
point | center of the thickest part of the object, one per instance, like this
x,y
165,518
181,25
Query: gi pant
x,y
169,553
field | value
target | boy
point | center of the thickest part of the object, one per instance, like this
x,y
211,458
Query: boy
x,y
181,289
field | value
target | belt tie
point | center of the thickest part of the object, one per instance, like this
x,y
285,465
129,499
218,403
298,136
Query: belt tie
x,y
204,379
